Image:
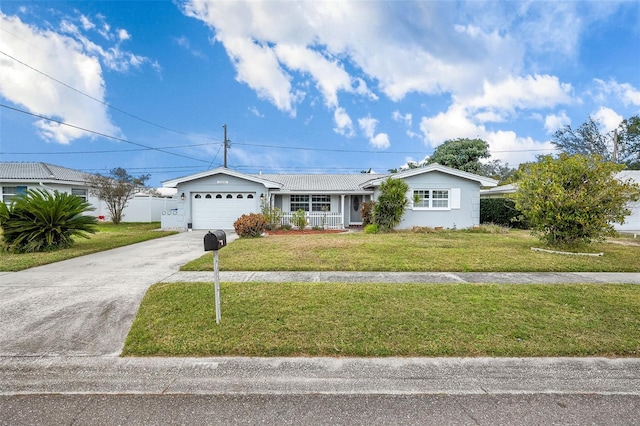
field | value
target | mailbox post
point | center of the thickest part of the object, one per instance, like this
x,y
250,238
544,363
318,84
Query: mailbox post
x,y
214,241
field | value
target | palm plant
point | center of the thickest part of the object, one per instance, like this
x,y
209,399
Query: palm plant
x,y
40,221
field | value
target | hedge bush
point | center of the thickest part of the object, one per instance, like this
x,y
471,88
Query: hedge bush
x,y
250,225
500,211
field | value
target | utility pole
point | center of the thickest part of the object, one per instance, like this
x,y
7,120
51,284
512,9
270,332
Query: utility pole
x,y
615,145
226,145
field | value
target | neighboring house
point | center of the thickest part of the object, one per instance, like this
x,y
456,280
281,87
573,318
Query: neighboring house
x,y
16,178
631,223
438,196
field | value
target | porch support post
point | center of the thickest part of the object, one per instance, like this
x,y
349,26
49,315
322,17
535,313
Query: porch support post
x,y
343,212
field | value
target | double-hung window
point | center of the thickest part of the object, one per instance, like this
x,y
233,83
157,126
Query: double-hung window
x,y
80,192
431,199
9,192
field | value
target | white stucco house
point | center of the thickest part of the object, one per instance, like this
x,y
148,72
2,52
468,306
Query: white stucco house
x,y
18,177
214,199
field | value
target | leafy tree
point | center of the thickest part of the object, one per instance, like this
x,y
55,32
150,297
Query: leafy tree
x,y
462,154
622,145
41,221
389,207
572,200
497,170
116,190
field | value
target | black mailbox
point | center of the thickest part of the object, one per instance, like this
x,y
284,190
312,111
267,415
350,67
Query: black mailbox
x,y
215,240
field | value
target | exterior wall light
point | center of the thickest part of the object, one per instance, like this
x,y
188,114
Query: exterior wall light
x,y
182,196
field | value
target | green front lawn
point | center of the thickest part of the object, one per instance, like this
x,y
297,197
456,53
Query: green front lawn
x,y
456,251
378,320
108,236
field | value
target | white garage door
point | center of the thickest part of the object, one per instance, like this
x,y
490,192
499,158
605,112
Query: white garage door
x,y
214,210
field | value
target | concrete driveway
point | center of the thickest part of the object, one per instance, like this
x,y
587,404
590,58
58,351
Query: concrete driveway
x,y
85,306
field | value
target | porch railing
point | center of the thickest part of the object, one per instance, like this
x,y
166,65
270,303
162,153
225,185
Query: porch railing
x,y
327,220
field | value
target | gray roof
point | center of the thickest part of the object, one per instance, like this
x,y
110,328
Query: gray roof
x,y
321,182
39,172
634,175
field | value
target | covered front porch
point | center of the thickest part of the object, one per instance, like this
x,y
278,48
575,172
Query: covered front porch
x,y
326,211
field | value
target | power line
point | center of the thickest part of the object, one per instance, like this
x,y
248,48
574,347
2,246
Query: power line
x,y
101,101
102,134
105,151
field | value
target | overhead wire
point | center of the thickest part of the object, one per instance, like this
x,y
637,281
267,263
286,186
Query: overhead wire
x,y
144,120
100,133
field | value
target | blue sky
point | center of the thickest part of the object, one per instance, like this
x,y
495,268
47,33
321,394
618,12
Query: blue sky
x,y
305,87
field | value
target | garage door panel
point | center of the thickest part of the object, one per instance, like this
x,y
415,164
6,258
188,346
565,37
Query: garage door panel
x,y
219,211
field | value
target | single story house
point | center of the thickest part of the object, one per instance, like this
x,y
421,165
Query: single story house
x,y
214,199
18,177
631,223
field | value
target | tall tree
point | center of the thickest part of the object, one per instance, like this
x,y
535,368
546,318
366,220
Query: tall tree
x,y
116,190
462,154
498,170
572,200
622,145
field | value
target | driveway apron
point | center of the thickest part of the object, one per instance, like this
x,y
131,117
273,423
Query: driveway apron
x,y
85,306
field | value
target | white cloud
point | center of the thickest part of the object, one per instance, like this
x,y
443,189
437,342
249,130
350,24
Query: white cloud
x,y
368,126
607,118
343,123
123,35
554,122
625,92
65,60
406,119
256,112
538,91
503,145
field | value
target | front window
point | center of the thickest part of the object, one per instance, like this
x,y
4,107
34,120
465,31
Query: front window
x,y
9,192
79,192
320,203
431,198
310,203
299,202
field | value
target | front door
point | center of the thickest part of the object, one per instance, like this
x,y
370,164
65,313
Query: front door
x,y
355,217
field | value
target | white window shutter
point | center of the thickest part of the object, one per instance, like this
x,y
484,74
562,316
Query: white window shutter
x,y
455,198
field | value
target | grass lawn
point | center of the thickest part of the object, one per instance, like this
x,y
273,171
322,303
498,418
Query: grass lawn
x,y
378,320
108,236
455,251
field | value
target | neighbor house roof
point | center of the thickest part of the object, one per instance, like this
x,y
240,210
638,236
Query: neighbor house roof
x,y
322,182
634,175
39,172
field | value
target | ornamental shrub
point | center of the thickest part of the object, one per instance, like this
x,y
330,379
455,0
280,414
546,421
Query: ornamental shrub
x,y
573,200
389,207
372,228
43,221
250,225
299,219
366,211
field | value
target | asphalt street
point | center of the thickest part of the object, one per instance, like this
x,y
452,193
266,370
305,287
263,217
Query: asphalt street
x,y
62,327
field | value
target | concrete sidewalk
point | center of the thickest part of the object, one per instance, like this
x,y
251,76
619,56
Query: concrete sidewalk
x,y
414,277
